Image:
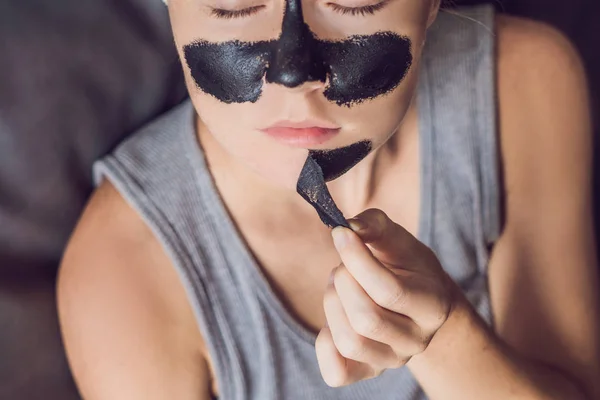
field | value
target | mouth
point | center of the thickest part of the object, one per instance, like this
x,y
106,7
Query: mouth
x,y
303,133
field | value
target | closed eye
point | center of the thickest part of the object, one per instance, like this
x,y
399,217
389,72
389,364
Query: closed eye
x,y
245,12
364,10
228,14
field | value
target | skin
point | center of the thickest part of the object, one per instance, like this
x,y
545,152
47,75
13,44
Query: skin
x,y
141,340
276,165
357,68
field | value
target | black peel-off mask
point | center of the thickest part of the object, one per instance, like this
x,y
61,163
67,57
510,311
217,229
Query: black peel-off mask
x,y
323,166
359,68
356,69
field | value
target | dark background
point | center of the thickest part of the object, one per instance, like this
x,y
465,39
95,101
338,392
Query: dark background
x,y
76,76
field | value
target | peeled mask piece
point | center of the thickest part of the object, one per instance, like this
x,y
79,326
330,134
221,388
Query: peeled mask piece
x,y
311,186
325,165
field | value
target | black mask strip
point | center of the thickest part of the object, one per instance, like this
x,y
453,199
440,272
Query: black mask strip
x,y
359,68
323,166
356,69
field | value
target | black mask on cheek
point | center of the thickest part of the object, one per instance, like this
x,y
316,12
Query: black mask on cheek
x,y
356,69
359,68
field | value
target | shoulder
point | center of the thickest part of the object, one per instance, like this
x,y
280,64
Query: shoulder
x,y
527,40
537,54
112,241
547,243
543,106
121,308
538,70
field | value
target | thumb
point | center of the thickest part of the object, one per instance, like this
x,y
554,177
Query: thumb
x,y
389,242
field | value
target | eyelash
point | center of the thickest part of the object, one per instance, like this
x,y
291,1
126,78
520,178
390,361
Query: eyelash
x,y
372,9
229,14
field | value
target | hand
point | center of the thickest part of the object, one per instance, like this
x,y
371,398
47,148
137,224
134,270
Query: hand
x,y
384,302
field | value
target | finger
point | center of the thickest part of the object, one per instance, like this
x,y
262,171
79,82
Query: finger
x,y
420,297
350,344
336,370
370,320
390,242
380,283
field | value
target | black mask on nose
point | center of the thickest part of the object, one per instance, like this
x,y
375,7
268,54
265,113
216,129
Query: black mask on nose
x,y
356,69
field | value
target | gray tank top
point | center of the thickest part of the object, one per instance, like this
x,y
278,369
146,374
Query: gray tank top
x,y
259,350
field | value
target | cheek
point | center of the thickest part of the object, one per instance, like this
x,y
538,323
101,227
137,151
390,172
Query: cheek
x,y
226,121
379,118
366,67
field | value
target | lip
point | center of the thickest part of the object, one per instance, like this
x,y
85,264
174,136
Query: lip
x,y
303,133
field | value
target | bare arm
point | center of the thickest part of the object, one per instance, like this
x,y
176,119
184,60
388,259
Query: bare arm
x,y
128,331
543,273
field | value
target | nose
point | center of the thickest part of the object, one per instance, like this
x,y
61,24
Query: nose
x,y
293,95
307,86
294,61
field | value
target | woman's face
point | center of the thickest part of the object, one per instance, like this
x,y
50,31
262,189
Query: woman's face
x,y
276,80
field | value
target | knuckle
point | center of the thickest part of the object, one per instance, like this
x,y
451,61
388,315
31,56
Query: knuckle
x,y
377,219
369,324
382,221
393,299
351,347
379,215
374,213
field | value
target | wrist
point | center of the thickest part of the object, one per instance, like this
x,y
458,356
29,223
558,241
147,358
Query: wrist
x,y
461,310
463,325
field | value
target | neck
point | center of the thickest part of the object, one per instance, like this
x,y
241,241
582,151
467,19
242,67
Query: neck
x,y
353,192
359,188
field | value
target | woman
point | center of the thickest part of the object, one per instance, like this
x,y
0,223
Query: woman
x,y
463,145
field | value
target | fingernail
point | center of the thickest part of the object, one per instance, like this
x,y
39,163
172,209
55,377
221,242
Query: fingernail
x,y
357,225
340,237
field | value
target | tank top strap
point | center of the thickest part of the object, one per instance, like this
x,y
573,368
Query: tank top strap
x,y
160,172
459,145
257,350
